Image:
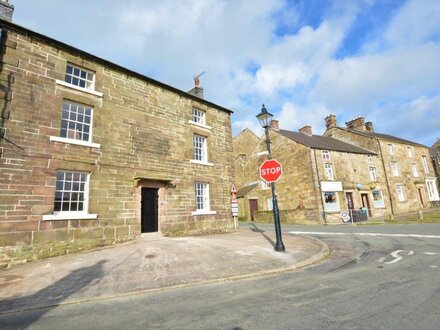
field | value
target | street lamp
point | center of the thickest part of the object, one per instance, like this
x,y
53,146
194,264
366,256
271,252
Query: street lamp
x,y
264,117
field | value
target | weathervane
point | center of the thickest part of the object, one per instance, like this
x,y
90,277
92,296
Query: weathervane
x,y
197,80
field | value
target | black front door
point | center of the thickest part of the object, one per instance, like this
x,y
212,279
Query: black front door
x,y
149,211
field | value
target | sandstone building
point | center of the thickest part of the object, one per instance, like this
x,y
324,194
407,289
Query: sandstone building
x,y
93,152
351,169
434,152
409,172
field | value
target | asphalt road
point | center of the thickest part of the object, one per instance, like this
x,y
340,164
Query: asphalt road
x,y
369,282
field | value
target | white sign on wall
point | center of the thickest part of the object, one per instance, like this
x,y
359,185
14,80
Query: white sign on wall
x,y
331,186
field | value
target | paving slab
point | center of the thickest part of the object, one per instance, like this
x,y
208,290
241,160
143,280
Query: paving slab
x,y
152,263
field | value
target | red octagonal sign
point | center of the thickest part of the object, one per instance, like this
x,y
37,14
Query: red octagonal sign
x,y
271,170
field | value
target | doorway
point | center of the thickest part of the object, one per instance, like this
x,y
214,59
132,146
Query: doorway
x,y
349,198
253,205
366,203
149,210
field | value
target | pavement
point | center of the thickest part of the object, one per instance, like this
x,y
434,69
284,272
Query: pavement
x,y
153,263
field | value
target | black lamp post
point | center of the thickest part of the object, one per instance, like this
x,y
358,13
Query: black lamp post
x,y
264,117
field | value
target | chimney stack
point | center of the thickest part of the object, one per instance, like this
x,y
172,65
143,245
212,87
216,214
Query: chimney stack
x,y
369,126
274,124
357,124
306,130
6,10
197,90
330,121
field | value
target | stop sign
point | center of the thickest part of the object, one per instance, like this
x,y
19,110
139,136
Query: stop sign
x,y
271,170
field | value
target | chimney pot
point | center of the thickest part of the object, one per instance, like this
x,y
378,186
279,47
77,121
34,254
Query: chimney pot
x,y
306,130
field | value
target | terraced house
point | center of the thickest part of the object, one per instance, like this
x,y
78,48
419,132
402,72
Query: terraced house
x,y
409,172
349,169
93,153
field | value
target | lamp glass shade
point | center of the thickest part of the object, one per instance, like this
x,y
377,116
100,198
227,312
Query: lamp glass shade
x,y
264,117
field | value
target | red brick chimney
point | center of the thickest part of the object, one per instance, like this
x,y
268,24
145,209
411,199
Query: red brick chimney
x,y
369,126
330,121
306,130
357,124
274,124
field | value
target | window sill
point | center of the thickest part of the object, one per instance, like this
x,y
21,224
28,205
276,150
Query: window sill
x,y
203,212
200,163
73,141
85,90
199,125
70,216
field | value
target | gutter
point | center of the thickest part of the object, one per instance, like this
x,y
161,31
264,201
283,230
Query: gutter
x,y
386,177
319,186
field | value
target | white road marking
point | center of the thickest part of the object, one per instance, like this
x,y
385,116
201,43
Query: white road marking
x,y
430,253
397,257
361,234
381,259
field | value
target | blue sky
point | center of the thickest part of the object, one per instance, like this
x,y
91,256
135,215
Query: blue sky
x,y
304,60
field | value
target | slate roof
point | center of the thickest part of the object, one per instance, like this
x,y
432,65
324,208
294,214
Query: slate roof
x,y
324,143
387,137
243,191
435,149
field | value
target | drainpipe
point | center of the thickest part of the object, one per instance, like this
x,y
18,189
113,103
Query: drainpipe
x,y
386,177
320,190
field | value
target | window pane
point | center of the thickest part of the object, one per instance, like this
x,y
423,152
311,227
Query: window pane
x,y
70,191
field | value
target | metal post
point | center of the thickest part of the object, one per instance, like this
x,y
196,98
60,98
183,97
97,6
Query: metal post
x,y
279,245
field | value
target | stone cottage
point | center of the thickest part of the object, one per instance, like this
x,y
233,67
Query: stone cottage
x,y
92,153
322,176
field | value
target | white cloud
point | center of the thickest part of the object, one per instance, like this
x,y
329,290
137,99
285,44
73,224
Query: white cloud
x,y
417,22
300,76
293,117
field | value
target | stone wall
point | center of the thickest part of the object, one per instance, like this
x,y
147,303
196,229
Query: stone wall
x,y
142,135
298,216
243,145
296,188
414,187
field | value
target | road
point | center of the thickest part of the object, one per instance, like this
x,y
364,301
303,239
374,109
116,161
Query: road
x,y
379,281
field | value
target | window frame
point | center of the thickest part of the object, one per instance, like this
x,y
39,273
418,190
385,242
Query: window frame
x,y
336,207
431,187
394,168
265,185
425,164
89,84
400,193
202,150
409,152
70,140
373,173
325,154
205,198
67,188
327,167
390,149
378,203
199,116
414,170
369,159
